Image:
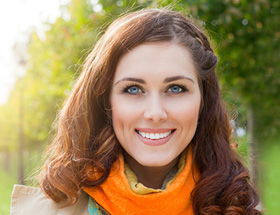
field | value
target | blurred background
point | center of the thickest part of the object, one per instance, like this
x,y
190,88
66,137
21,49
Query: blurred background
x,y
42,47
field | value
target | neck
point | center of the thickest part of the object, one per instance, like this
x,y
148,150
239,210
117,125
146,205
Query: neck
x,y
151,177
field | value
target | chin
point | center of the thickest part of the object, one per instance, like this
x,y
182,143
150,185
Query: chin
x,y
154,163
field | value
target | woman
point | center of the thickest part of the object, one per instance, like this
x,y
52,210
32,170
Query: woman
x,y
144,130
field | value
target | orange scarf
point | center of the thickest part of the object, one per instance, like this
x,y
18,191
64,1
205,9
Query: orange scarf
x,y
116,196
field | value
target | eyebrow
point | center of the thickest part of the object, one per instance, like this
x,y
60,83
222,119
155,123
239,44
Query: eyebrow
x,y
138,80
167,80
175,78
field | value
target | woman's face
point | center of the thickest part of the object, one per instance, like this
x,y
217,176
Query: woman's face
x,y
155,102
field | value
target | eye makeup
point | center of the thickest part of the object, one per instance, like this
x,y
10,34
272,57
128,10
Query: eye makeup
x,y
177,88
132,89
135,89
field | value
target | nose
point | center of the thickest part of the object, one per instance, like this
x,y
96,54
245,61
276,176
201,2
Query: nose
x,y
155,110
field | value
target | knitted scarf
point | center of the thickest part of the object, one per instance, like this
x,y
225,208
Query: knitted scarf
x,y
116,196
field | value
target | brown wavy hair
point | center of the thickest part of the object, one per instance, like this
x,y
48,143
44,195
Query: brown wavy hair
x,y
85,143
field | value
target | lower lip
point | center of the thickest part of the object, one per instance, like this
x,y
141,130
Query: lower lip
x,y
155,142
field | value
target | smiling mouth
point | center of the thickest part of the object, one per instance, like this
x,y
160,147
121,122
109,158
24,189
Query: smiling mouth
x,y
155,136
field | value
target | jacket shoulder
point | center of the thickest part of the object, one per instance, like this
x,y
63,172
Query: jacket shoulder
x,y
32,201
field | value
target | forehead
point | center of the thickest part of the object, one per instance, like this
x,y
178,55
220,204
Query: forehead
x,y
156,58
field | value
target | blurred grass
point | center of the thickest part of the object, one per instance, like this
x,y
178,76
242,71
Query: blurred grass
x,y
269,175
269,179
6,186
8,179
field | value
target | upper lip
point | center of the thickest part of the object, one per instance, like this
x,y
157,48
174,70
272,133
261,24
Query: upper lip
x,y
153,130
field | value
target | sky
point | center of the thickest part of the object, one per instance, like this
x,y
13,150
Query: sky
x,y
17,19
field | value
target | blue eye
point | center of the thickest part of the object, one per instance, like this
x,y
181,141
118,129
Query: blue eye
x,y
175,89
132,90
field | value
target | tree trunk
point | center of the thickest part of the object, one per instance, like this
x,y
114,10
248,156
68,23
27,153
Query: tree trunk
x,y
7,165
21,137
252,148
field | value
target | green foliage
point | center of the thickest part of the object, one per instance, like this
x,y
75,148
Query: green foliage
x,y
247,44
242,149
9,120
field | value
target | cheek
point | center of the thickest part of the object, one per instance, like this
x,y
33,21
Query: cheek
x,y
118,122
185,106
117,116
125,108
186,112
123,114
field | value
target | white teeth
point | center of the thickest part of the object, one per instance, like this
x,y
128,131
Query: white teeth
x,y
154,136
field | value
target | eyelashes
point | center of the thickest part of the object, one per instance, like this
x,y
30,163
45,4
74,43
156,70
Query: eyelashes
x,y
135,89
177,88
